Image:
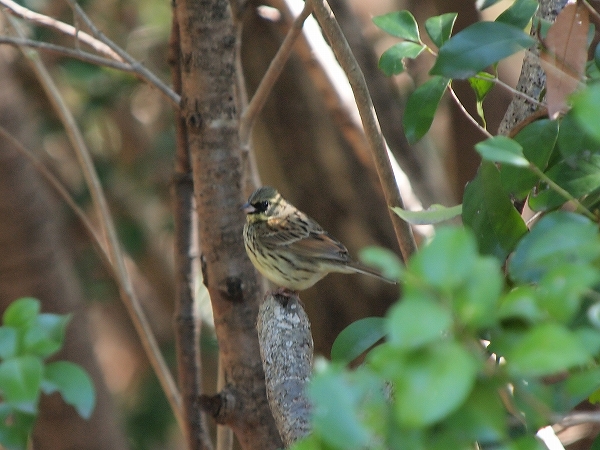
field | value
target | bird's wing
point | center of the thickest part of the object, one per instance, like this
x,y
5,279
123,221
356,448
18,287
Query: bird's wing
x,y
303,237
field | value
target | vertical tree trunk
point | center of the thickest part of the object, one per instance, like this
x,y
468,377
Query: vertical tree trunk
x,y
210,111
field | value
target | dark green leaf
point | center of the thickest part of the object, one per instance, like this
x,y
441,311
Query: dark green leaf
x,y
501,149
20,380
15,427
432,215
401,24
447,260
519,14
392,60
572,138
416,320
558,238
586,108
22,312
421,107
46,335
538,140
9,344
357,338
483,4
477,47
439,28
597,56
546,349
73,383
488,211
386,261
433,383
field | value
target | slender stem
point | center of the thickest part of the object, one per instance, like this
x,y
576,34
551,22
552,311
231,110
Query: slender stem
x,y
348,62
511,89
466,113
268,80
107,225
555,187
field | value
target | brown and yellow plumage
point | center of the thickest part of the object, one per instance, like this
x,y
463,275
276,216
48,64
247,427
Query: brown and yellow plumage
x,y
288,247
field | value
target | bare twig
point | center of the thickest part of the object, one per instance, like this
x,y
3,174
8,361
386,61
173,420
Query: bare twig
x,y
73,53
69,30
114,251
466,113
270,77
346,59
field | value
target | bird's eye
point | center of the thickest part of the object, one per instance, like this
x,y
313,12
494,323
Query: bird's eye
x,y
261,206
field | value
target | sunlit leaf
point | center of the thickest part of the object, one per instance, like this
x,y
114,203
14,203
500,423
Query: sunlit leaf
x,y
501,149
401,24
432,215
519,13
439,28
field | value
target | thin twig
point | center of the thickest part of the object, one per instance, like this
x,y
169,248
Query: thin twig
x,y
268,80
107,225
466,113
69,30
73,53
368,116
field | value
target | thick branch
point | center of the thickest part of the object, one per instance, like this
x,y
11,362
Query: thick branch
x,y
286,349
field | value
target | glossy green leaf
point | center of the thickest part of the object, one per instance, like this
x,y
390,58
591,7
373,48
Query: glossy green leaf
x,y
477,47
383,259
357,338
46,335
421,107
432,215
484,4
546,349
521,304
557,238
538,139
433,383
501,149
9,344
572,138
401,24
391,61
519,14
21,313
481,84
586,109
417,320
439,28
488,211
476,303
20,380
74,385
578,176
335,415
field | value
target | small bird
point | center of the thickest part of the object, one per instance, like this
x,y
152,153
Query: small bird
x,y
288,247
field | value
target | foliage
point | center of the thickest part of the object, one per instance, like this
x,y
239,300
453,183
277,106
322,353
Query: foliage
x,y
27,339
497,331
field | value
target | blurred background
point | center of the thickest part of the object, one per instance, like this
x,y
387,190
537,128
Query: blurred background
x,y
302,146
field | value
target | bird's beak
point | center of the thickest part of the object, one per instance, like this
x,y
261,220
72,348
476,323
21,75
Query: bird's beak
x,y
248,208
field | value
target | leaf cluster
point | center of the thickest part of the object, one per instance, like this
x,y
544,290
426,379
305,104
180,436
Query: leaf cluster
x,y
27,338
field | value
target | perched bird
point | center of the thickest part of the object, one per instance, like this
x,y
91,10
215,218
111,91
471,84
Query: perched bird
x,y
288,247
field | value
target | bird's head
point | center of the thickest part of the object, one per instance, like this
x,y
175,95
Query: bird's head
x,y
264,203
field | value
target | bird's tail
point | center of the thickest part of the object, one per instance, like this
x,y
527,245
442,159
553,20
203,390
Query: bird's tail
x,y
357,267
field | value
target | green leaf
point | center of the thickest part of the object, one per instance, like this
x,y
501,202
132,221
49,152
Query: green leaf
x,y
477,47
520,303
538,139
46,335
572,138
546,349
386,261
74,385
416,320
15,427
501,149
392,60
519,14
558,238
433,383
597,56
20,380
421,107
357,338
481,85
579,176
586,109
439,28
488,211
9,344
21,313
476,303
401,24
432,215
484,4
447,260
335,415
